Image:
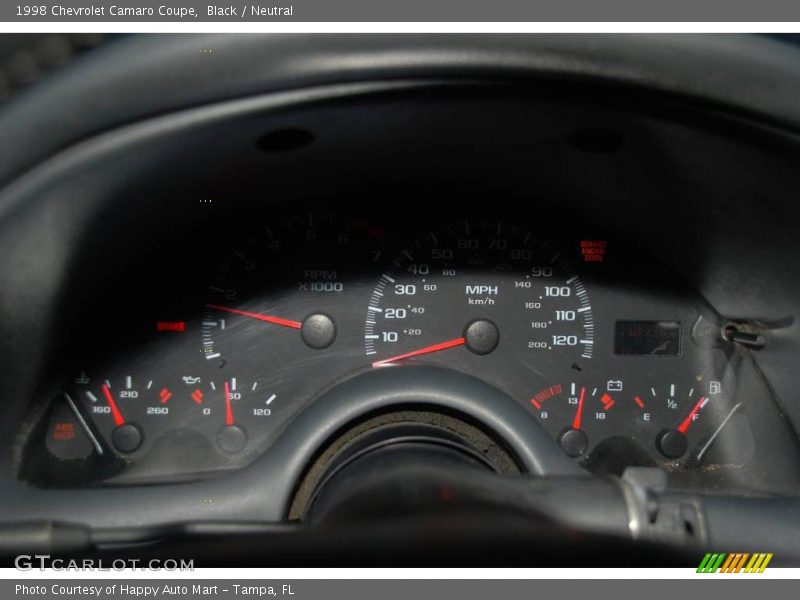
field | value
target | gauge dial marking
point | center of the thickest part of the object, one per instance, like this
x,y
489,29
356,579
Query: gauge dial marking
x,y
546,393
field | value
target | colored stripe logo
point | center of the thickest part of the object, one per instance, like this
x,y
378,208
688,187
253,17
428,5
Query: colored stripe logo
x,y
735,562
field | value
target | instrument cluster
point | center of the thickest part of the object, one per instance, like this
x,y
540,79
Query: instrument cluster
x,y
601,345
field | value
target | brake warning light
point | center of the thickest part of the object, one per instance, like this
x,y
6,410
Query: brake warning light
x,y
593,250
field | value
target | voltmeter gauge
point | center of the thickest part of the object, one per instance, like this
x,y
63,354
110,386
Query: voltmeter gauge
x,y
579,414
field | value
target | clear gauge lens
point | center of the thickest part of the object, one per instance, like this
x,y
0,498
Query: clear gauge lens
x,y
478,289
231,410
207,423
286,289
123,408
669,421
280,319
578,413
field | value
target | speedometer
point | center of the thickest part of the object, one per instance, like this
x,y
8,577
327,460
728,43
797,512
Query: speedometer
x,y
476,288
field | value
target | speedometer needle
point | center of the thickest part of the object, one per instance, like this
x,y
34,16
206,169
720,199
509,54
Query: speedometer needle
x,y
258,316
118,418
426,350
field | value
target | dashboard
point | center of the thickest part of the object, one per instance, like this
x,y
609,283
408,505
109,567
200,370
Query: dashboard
x,y
336,284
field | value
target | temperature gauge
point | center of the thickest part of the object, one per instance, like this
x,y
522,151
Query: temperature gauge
x,y
120,408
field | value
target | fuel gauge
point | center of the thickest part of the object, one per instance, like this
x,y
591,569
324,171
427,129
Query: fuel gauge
x,y
676,409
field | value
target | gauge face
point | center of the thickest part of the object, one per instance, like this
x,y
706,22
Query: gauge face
x,y
280,320
305,268
619,375
282,307
163,425
122,408
671,419
477,289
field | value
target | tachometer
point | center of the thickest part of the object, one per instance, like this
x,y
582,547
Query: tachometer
x,y
479,288
284,290
281,322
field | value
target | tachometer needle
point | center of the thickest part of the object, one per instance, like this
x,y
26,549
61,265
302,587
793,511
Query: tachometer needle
x,y
690,417
576,422
228,408
426,350
258,316
118,418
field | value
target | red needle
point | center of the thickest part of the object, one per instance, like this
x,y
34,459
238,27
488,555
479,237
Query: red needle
x,y
688,420
118,418
259,316
576,422
426,350
228,409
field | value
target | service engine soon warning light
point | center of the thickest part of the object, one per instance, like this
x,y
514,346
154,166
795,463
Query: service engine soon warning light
x,y
593,250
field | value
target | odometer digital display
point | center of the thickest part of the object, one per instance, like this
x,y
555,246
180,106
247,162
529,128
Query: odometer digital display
x,y
647,338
